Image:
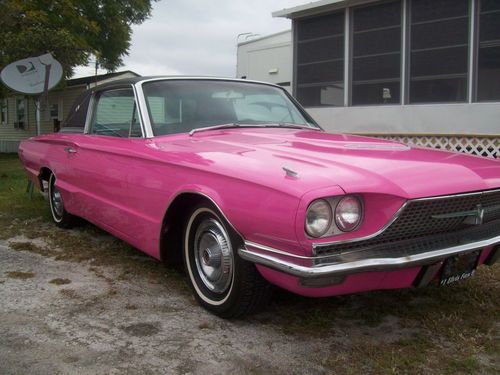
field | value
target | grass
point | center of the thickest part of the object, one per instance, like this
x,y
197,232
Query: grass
x,y
20,275
452,330
14,204
59,281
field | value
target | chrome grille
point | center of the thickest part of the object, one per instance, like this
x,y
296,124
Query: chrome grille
x,y
416,223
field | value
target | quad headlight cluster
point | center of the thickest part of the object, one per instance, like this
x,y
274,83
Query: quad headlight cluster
x,y
333,215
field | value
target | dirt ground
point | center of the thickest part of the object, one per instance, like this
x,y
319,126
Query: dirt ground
x,y
67,317
71,318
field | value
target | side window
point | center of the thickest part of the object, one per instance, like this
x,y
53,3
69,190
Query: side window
x,y
21,117
116,115
3,111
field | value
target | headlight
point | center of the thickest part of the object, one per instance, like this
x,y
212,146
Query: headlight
x,y
318,218
348,213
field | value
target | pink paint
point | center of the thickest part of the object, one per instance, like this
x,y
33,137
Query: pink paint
x,y
126,185
356,283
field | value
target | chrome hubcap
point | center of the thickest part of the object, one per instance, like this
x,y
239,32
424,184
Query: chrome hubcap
x,y
57,202
213,256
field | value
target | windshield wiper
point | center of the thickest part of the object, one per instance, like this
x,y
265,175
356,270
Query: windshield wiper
x,y
214,127
246,125
291,125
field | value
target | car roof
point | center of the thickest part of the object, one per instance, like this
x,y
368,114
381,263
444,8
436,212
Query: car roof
x,y
134,80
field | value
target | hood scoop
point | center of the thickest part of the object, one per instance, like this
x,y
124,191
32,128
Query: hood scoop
x,y
377,146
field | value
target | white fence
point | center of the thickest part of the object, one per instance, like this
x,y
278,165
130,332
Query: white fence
x,y
482,146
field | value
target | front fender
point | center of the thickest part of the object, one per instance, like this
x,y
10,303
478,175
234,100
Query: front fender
x,y
258,213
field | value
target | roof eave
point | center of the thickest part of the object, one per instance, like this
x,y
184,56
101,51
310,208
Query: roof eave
x,y
316,7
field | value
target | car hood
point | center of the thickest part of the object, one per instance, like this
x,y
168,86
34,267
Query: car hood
x,y
298,161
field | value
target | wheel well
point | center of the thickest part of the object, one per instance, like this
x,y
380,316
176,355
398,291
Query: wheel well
x,y
44,175
173,226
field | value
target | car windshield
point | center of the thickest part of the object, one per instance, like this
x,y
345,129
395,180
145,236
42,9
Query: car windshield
x,y
180,106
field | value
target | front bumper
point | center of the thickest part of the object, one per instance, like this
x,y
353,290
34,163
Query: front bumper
x,y
319,266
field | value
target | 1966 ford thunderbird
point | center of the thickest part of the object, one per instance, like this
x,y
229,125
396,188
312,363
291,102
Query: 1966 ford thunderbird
x,y
235,178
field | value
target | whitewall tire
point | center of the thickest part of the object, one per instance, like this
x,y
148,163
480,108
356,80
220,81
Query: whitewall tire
x,y
222,282
58,212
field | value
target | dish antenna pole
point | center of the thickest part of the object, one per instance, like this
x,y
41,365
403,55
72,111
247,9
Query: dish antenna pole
x,y
33,76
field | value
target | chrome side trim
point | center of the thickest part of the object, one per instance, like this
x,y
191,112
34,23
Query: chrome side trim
x,y
278,252
139,111
482,192
90,113
143,110
366,265
398,213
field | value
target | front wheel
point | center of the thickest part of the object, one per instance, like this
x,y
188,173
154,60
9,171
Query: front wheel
x,y
60,216
222,282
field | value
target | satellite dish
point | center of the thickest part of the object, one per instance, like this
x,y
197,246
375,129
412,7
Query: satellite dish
x,y
33,75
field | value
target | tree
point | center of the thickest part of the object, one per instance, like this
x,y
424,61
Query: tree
x,y
72,30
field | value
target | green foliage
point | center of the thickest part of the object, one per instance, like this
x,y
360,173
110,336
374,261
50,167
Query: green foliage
x,y
72,30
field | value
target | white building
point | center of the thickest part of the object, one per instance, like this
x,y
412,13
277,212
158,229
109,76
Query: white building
x,y
422,71
267,59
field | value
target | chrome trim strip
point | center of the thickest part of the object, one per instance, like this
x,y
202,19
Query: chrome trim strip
x,y
482,192
139,111
279,252
90,113
398,213
366,265
143,110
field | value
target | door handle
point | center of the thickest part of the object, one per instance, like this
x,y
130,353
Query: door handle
x,y
70,150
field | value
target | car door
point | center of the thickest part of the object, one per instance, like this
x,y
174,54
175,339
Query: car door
x,y
102,158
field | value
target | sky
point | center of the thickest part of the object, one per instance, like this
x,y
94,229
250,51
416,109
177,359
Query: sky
x,y
197,37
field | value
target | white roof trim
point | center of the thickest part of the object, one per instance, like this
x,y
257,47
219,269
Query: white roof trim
x,y
203,78
317,7
264,37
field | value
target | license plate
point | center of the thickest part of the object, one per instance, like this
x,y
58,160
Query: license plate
x,y
459,267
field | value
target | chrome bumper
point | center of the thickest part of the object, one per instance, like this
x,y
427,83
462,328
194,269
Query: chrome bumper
x,y
316,267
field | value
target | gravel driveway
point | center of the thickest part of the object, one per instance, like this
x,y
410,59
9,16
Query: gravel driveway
x,y
64,317
86,316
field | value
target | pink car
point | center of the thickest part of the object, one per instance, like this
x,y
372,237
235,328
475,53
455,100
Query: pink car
x,y
236,179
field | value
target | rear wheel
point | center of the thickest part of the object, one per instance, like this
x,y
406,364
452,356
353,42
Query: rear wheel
x,y
60,216
222,282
